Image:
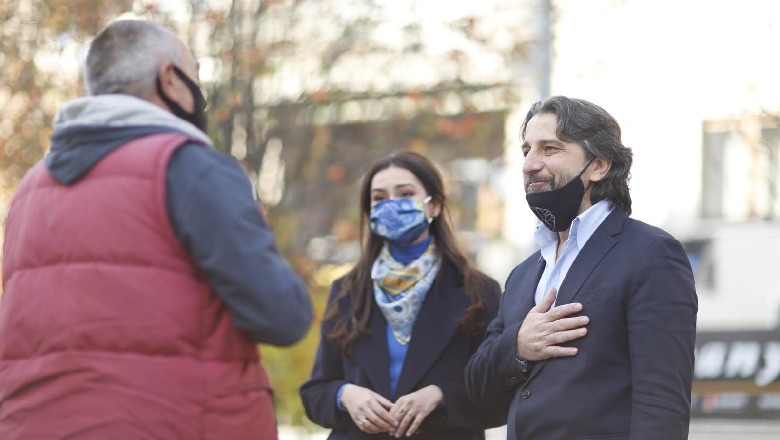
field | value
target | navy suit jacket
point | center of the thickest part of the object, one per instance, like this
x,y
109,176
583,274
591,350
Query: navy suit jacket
x,y
632,375
437,355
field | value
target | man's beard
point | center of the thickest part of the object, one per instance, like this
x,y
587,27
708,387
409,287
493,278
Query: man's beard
x,y
551,181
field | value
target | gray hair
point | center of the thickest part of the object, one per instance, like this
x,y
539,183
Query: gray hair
x,y
125,56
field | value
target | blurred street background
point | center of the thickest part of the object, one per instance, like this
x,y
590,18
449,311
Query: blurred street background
x,y
700,430
306,93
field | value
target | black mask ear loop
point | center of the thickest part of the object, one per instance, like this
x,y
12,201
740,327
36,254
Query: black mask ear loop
x,y
586,147
198,115
590,184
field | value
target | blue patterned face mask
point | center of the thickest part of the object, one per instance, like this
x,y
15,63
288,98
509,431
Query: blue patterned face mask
x,y
400,221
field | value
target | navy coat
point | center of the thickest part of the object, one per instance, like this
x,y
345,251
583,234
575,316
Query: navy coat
x,y
632,376
437,354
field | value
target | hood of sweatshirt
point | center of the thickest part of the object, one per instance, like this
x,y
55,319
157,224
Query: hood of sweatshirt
x,y
87,129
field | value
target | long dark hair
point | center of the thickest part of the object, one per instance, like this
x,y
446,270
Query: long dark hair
x,y
357,284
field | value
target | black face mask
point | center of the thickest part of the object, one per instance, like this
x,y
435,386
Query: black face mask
x,y
198,115
557,208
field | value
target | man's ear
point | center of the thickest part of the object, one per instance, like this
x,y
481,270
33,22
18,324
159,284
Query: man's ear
x,y
165,75
599,169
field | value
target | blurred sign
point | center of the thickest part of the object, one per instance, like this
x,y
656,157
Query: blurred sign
x,y
737,375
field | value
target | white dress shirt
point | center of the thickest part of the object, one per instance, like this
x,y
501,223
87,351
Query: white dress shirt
x,y
581,230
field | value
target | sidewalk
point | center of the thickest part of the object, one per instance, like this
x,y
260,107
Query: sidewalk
x,y
700,430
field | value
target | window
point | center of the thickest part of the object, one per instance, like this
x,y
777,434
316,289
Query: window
x,y
741,169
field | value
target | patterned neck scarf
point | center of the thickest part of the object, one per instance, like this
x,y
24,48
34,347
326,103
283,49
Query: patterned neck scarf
x,y
400,290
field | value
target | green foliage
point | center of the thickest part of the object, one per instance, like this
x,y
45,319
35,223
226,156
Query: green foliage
x,y
289,367
38,72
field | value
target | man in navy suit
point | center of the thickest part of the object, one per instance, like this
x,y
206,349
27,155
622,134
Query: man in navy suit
x,y
595,333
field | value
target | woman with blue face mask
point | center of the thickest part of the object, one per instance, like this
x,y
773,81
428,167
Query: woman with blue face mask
x,y
401,325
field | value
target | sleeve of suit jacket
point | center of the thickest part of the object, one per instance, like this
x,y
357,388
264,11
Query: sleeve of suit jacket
x,y
493,373
459,410
215,217
661,318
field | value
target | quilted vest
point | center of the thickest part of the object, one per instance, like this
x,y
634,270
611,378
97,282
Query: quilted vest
x,y
107,328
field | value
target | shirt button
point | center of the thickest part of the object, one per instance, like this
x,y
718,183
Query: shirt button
x,y
525,394
512,382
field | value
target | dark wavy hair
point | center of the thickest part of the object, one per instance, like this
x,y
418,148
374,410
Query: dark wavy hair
x,y
598,133
357,284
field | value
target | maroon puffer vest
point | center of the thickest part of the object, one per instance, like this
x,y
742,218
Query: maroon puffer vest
x,y
107,329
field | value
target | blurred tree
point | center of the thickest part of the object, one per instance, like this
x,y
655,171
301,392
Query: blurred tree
x,y
40,42
304,93
283,75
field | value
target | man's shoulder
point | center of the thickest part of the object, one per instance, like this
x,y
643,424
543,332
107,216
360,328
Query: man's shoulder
x,y
639,228
194,156
530,263
195,150
637,235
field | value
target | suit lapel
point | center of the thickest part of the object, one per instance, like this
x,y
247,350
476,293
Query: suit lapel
x,y
527,288
590,256
371,352
597,246
435,326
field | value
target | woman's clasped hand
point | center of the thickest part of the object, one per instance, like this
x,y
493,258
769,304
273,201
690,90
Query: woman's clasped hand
x,y
373,413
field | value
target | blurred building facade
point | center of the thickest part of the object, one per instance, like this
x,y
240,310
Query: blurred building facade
x,y
695,88
696,91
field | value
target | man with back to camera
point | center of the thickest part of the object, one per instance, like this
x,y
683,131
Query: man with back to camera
x,y
595,333
138,272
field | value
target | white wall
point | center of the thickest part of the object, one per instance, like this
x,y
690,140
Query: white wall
x,y
747,291
662,68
